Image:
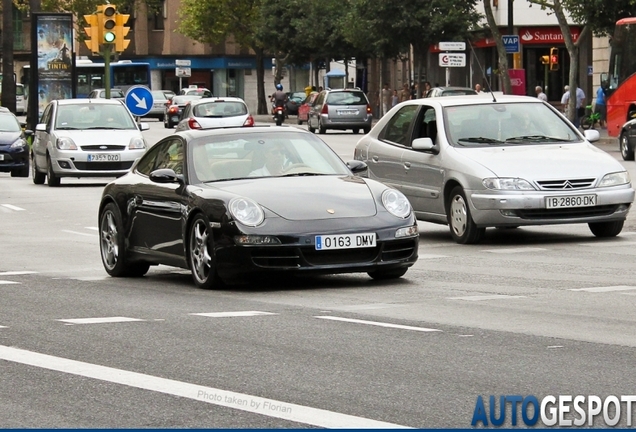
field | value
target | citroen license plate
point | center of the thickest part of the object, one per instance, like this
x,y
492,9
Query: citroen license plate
x,y
570,201
104,157
345,241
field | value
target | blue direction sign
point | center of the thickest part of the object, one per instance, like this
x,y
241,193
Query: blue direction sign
x,y
511,42
139,100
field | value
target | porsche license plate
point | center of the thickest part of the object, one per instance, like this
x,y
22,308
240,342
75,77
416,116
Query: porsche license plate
x,y
570,201
104,157
1,157
345,241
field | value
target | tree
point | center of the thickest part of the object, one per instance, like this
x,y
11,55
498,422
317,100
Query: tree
x,y
8,82
501,49
213,21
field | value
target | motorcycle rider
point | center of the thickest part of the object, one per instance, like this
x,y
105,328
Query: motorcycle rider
x,y
279,98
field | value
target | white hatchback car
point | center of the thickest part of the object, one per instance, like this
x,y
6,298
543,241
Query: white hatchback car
x,y
216,112
85,138
473,162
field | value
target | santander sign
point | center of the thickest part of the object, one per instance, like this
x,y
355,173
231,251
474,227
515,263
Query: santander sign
x,y
545,35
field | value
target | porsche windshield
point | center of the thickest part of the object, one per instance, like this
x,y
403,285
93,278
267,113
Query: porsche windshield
x,y
506,124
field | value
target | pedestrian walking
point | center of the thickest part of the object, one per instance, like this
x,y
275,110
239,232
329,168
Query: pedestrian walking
x,y
386,98
580,103
405,94
600,107
540,95
395,99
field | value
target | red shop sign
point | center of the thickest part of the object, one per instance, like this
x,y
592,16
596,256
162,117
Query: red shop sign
x,y
545,35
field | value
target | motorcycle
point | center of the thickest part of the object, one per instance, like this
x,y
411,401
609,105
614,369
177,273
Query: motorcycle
x,y
278,113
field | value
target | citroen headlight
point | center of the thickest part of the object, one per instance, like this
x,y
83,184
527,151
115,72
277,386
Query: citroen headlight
x,y
507,183
246,211
65,143
137,143
614,179
18,143
396,203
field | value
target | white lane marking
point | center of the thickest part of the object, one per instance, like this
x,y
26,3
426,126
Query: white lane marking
x,y
92,228
233,314
609,243
240,401
79,233
16,273
4,327
90,278
514,250
376,323
555,346
12,207
4,282
431,256
486,297
606,288
99,320
368,306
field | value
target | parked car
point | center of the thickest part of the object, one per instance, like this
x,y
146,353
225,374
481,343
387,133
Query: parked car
x,y
196,91
340,109
474,162
14,149
85,138
159,100
294,99
115,93
174,108
206,113
241,215
303,109
450,91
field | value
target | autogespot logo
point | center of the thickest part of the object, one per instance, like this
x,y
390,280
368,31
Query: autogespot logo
x,y
563,410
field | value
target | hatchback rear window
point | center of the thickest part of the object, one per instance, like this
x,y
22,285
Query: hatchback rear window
x,y
219,109
347,98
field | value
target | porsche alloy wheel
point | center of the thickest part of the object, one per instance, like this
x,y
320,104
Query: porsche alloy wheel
x,y
201,251
460,221
112,247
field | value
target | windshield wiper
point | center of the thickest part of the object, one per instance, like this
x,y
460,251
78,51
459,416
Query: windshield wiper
x,y
480,140
542,138
66,128
105,128
301,174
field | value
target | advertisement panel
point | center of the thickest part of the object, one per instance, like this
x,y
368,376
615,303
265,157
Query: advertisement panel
x,y
518,81
52,41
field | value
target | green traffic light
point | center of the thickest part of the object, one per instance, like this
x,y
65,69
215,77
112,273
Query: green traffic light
x,y
109,37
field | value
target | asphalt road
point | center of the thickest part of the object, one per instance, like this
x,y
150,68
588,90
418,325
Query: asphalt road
x,y
532,311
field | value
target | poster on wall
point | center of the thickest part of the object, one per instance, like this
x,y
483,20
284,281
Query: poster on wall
x,y
54,60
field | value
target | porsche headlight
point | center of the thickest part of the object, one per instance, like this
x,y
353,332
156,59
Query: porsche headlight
x,y
614,179
65,143
507,183
136,143
396,203
20,142
246,211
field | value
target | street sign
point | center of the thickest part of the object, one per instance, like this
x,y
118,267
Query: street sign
x,y
139,100
452,46
183,72
511,43
452,59
186,63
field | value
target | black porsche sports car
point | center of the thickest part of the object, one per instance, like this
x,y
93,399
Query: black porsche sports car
x,y
234,202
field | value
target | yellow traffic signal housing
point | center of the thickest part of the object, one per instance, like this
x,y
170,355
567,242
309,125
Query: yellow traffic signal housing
x,y
106,17
93,34
545,60
121,31
554,59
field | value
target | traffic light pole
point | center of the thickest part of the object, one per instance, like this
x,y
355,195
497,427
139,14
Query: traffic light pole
x,y
107,69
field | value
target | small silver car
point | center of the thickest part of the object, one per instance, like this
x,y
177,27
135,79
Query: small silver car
x,y
340,109
159,100
85,138
207,113
474,162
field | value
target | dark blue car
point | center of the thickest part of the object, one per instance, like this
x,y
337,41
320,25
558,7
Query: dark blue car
x,y
14,149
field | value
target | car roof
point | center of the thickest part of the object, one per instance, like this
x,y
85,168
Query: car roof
x,y
481,99
88,101
216,99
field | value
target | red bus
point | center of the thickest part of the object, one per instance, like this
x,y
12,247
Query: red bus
x,y
620,83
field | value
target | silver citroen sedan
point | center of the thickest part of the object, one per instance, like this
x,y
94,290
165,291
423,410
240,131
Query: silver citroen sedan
x,y
473,162
85,138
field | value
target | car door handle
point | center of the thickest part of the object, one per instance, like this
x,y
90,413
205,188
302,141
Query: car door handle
x,y
407,165
375,158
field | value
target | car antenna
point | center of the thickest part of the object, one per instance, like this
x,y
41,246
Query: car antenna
x,y
482,72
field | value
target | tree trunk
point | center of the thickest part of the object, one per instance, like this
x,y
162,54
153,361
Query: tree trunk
x,y
8,82
260,80
501,50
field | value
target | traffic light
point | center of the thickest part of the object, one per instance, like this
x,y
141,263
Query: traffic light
x,y
93,34
554,59
121,31
106,17
545,60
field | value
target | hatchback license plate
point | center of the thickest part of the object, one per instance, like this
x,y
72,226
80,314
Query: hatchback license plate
x,y
347,112
570,201
345,241
103,157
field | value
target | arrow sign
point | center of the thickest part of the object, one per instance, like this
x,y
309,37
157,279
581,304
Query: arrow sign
x,y
139,100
